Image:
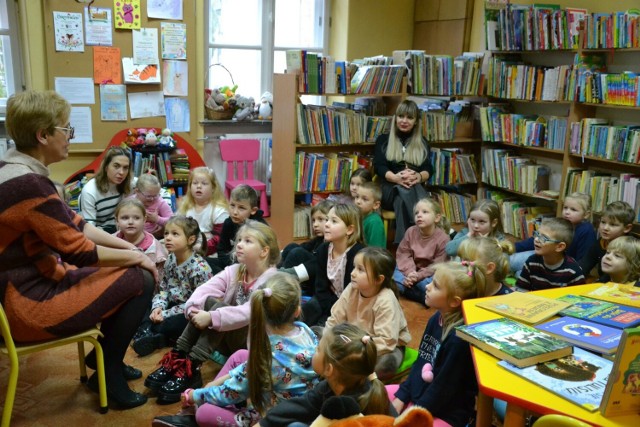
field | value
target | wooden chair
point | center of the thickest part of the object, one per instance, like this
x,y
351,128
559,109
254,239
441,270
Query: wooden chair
x,y
14,351
556,420
240,155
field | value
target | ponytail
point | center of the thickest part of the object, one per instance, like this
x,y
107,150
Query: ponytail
x,y
259,364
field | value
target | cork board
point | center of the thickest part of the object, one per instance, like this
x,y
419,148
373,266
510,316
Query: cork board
x,y
80,64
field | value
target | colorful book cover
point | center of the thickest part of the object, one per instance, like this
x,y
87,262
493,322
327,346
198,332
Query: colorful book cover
x,y
525,307
583,333
603,312
622,395
617,293
579,378
520,344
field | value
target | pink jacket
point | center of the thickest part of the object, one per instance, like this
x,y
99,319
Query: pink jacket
x,y
160,207
224,287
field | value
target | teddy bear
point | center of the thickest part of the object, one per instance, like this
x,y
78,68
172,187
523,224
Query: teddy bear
x,y
265,109
130,140
214,99
344,411
245,106
151,138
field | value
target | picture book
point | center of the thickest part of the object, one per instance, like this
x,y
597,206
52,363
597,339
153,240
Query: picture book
x,y
622,394
525,307
579,378
603,312
519,344
585,334
618,293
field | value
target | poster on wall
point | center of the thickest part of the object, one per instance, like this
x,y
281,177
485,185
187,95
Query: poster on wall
x,y
178,114
76,90
173,38
145,46
165,9
97,26
126,14
68,32
175,76
142,73
113,103
106,65
146,104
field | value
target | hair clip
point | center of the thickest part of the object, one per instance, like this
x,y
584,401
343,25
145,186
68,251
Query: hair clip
x,y
345,338
366,339
267,292
372,376
469,264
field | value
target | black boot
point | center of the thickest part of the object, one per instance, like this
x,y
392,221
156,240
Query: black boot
x,y
169,363
186,376
123,398
141,332
175,421
147,344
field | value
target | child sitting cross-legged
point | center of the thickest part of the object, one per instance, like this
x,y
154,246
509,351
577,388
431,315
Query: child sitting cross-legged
x,y
621,262
423,245
550,267
616,220
368,201
277,366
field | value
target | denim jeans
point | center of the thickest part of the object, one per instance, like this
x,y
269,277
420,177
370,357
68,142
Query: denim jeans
x,y
416,292
517,260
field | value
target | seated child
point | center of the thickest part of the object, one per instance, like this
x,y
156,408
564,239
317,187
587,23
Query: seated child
x,y
371,303
335,262
243,205
484,220
346,358
184,271
621,262
218,313
493,255
368,201
616,220
550,267
450,392
147,190
577,210
358,177
301,260
423,246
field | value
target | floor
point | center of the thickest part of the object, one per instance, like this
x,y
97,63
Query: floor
x,y
50,393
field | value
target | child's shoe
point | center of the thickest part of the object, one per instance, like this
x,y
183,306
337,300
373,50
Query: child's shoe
x,y
187,375
168,364
147,344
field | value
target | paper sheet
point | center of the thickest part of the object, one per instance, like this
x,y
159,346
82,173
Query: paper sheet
x,y
175,75
165,9
173,37
146,104
76,90
113,102
81,121
98,26
106,65
145,46
126,14
178,114
68,32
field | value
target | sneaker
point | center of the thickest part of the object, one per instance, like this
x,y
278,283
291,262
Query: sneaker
x,y
175,421
169,363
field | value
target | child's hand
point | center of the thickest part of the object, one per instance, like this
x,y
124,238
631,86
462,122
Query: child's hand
x,y
152,217
156,315
413,276
201,319
187,398
398,405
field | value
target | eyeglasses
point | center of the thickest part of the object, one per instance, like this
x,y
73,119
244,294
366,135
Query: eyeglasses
x,y
148,196
544,239
70,131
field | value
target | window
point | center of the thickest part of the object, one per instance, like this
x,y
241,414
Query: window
x,y
10,64
250,38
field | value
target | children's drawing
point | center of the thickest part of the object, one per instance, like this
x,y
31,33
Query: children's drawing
x,y
126,14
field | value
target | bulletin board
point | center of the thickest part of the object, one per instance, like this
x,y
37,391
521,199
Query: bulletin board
x,y
80,64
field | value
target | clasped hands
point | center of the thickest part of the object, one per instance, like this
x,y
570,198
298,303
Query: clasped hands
x,y
411,279
408,178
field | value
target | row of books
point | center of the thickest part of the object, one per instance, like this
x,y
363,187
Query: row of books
x,y
301,222
544,355
439,125
442,74
521,219
517,80
609,88
319,125
619,29
452,167
519,129
375,79
503,168
454,206
596,137
605,188
324,172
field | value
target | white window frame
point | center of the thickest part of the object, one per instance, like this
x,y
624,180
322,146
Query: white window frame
x,y
267,47
14,62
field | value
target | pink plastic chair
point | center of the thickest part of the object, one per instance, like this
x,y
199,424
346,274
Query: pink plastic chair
x,y
240,155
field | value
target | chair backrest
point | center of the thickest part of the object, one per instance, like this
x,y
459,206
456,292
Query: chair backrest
x,y
240,155
556,420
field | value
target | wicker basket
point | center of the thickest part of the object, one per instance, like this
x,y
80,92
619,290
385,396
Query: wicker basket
x,y
218,114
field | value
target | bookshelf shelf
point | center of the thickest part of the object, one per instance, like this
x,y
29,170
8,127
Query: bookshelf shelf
x,y
558,154
607,162
518,193
456,142
334,146
615,106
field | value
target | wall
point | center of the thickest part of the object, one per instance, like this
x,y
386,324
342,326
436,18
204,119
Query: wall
x,y
477,30
443,26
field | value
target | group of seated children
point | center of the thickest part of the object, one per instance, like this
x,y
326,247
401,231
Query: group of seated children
x,y
221,287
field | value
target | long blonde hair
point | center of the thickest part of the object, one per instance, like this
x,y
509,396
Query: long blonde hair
x,y
416,150
485,250
217,197
265,236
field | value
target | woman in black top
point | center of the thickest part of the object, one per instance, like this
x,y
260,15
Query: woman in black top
x,y
401,160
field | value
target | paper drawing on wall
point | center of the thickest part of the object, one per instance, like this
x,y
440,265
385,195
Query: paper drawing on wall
x,y
126,14
142,73
68,32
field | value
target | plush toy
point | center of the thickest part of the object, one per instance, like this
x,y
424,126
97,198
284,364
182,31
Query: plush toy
x,y
132,134
413,416
214,99
427,372
141,133
151,139
265,108
166,139
245,107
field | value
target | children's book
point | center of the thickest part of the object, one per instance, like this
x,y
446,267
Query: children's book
x,y
585,334
622,395
519,344
579,378
603,312
525,307
618,293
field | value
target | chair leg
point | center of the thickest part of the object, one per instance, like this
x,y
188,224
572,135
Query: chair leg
x,y
264,203
83,367
102,382
11,390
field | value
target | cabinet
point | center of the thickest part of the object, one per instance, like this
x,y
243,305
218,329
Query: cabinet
x,y
286,147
